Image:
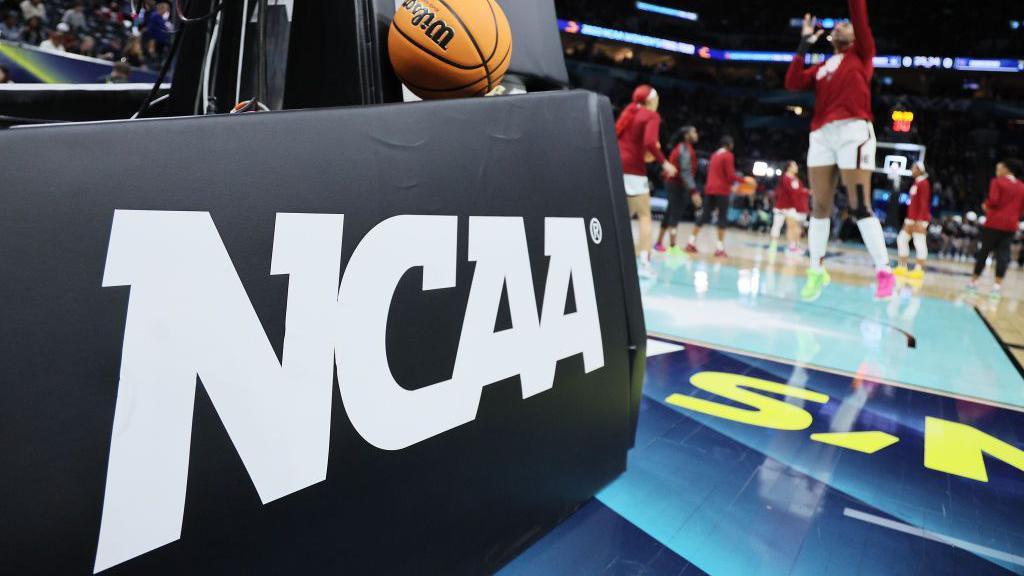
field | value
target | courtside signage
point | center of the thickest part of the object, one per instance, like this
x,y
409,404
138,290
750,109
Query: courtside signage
x,y
341,341
189,316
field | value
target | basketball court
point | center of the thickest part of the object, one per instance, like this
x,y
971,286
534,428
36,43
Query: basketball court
x,y
706,494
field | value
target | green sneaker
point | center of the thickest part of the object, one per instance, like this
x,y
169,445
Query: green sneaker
x,y
996,294
816,282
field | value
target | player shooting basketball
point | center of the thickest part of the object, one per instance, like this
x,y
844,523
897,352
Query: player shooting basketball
x,y
842,141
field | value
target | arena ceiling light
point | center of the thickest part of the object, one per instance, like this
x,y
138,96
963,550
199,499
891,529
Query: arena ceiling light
x,y
666,11
706,52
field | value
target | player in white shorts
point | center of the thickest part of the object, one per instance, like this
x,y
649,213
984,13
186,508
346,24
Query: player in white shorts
x,y
791,208
637,132
842,141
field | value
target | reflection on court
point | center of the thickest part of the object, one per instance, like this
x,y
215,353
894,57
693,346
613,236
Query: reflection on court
x,y
749,466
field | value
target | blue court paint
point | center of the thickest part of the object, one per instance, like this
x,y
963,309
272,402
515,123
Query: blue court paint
x,y
760,311
711,495
596,540
735,498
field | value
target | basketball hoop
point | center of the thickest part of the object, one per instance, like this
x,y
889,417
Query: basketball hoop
x,y
894,171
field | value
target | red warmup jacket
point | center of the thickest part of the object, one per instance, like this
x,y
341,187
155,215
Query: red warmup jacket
x,y
639,139
920,208
842,84
1005,204
721,173
673,159
790,193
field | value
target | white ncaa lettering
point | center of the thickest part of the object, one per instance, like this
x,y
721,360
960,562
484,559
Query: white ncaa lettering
x,y
189,316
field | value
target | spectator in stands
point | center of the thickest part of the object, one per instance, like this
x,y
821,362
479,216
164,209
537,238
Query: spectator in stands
x,y
9,28
75,17
33,32
5,75
111,12
146,9
87,46
158,30
33,9
119,74
133,54
55,43
110,49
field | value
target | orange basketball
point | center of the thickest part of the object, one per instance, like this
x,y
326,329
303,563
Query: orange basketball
x,y
747,187
450,48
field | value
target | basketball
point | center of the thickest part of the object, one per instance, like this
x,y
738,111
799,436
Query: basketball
x,y
450,48
747,187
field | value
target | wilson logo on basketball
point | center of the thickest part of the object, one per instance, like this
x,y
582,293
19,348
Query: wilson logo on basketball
x,y
423,18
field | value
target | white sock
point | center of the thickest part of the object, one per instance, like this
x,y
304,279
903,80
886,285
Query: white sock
x,y
921,246
871,232
817,240
777,226
693,239
645,257
719,245
903,244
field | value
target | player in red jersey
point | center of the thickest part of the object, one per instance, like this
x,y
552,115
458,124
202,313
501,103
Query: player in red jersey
x,y
682,189
791,208
1004,208
637,130
915,226
722,179
842,140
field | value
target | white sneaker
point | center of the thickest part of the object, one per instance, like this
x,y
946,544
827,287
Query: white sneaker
x,y
645,270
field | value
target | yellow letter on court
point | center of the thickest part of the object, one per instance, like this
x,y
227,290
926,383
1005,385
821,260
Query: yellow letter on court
x,y
959,449
767,412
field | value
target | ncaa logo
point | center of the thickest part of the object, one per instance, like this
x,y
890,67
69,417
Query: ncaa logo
x,y
189,317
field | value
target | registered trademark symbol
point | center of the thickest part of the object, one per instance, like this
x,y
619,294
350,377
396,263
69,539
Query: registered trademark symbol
x,y
596,234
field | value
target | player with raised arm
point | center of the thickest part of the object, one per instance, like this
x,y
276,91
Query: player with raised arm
x,y
842,141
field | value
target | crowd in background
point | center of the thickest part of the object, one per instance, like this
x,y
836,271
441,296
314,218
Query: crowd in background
x,y
109,30
899,28
962,142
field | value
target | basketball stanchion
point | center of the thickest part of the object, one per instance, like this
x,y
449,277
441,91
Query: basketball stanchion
x,y
291,358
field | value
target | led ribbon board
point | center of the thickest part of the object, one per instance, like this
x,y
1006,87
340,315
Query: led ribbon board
x,y
707,52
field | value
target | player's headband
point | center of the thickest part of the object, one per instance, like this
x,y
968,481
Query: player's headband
x,y
644,93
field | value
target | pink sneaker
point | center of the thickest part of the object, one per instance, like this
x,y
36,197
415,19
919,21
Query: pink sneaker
x,y
691,249
721,254
886,283
659,247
